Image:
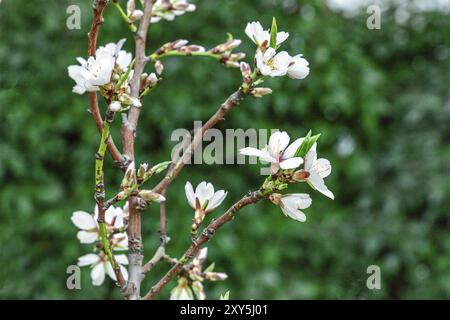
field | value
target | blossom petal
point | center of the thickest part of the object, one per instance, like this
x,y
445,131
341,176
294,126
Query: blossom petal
x,y
121,258
278,141
216,200
291,163
322,167
204,192
294,213
292,149
83,220
249,151
281,37
87,236
190,195
317,183
98,274
88,259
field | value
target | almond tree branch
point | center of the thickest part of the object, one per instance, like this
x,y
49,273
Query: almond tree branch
x,y
128,138
100,197
98,6
206,235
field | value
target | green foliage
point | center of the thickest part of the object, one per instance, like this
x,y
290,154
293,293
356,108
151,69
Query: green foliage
x,y
379,98
307,144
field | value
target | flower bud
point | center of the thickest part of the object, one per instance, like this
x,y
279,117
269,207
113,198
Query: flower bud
x,y
259,92
136,15
128,179
177,44
231,64
159,67
142,171
237,56
160,167
115,106
150,196
151,80
192,48
227,46
215,276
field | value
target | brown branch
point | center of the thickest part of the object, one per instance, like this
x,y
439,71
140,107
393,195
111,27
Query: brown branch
x,y
128,138
206,235
98,6
232,101
159,254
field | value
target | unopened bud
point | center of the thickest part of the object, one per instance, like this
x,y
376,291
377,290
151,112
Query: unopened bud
x,y
160,167
150,196
142,171
159,67
136,15
128,179
115,106
151,80
245,69
215,276
237,56
259,92
179,43
192,48
231,64
227,46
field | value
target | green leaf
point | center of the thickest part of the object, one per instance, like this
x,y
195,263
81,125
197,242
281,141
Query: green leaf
x,y
307,144
210,268
225,296
229,36
273,33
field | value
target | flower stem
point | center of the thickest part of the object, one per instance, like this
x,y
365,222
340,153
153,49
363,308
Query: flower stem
x,y
176,53
124,16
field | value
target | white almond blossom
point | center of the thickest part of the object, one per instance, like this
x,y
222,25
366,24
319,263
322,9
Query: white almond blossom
x,y
292,204
97,71
89,231
101,266
273,64
298,67
277,152
318,169
204,198
259,36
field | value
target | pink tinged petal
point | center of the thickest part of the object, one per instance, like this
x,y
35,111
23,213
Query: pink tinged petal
x,y
274,167
281,37
190,195
216,200
291,163
83,220
204,192
292,149
278,141
317,183
322,167
87,236
98,274
88,259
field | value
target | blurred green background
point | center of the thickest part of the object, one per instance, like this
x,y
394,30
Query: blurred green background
x,y
380,98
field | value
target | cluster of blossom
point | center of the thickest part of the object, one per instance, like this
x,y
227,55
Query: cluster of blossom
x,y
115,220
268,61
284,158
190,281
108,72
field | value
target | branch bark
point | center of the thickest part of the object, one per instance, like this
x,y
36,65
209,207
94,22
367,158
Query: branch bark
x,y
135,253
98,7
206,235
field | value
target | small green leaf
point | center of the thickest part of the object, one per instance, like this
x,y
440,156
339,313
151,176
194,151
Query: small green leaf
x,y
307,144
273,33
225,296
229,36
210,268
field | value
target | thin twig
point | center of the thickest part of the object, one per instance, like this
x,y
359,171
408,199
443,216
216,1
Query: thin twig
x,y
128,137
100,197
98,6
159,254
206,235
